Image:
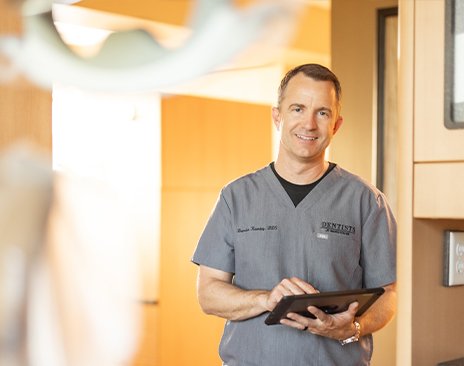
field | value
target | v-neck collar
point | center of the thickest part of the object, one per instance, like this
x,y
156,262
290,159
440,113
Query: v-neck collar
x,y
311,198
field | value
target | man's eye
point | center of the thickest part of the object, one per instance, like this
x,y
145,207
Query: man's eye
x,y
297,109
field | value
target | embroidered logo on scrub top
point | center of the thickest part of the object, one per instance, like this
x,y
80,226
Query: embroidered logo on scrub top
x,y
333,227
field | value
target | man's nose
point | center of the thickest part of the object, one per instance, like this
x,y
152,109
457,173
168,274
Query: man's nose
x,y
310,123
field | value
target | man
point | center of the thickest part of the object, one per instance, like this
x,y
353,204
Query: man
x,y
300,225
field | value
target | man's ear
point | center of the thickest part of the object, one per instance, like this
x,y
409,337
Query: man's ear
x,y
337,124
276,117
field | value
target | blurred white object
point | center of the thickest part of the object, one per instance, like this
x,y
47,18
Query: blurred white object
x,y
69,284
25,197
83,307
134,60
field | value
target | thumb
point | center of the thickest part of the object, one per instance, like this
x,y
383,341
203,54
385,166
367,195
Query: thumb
x,y
353,308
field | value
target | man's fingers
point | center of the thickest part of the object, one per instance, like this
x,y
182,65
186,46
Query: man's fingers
x,y
304,286
321,315
318,313
289,287
293,286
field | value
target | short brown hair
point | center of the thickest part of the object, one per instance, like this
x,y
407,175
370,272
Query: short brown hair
x,y
316,72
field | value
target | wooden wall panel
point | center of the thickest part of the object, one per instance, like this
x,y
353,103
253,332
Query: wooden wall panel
x,y
186,335
438,190
167,11
148,341
25,115
437,311
430,322
432,141
205,144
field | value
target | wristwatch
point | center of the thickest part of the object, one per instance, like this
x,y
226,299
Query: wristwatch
x,y
354,338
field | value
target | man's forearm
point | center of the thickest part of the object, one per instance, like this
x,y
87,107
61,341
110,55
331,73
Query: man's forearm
x,y
381,312
218,296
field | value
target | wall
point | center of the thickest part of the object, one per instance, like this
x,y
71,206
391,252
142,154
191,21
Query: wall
x,y
166,11
205,144
310,41
441,306
353,27
430,321
25,111
354,62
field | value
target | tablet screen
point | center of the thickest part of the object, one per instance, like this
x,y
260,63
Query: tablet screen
x,y
329,302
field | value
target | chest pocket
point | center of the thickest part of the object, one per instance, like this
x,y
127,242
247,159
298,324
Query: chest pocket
x,y
335,261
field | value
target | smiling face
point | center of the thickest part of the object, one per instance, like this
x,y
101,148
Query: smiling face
x,y
307,119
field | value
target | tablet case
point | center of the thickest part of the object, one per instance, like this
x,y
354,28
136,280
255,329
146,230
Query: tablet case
x,y
329,302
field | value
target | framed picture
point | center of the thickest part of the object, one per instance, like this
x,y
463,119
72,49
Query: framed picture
x,y
387,85
454,64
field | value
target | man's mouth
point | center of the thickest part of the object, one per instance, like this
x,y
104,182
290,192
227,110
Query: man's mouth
x,y
306,138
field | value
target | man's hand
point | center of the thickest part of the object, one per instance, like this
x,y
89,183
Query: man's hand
x,y
218,296
288,287
336,326
340,326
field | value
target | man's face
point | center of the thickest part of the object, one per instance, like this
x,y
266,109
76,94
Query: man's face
x,y
307,119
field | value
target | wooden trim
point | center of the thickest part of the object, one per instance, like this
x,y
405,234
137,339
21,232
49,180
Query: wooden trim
x,y
405,180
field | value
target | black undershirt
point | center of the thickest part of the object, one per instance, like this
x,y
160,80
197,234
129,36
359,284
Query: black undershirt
x,y
297,192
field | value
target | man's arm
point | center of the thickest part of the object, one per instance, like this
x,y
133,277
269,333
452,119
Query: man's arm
x,y
218,296
340,326
381,312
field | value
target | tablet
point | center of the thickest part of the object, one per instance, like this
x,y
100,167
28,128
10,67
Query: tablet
x,y
329,302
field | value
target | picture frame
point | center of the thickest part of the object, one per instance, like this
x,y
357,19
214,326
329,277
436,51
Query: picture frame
x,y
454,64
387,97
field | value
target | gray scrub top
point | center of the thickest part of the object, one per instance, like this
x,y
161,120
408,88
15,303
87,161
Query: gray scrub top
x,y
341,236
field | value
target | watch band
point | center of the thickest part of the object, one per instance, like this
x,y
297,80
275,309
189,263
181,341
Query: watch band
x,y
354,338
